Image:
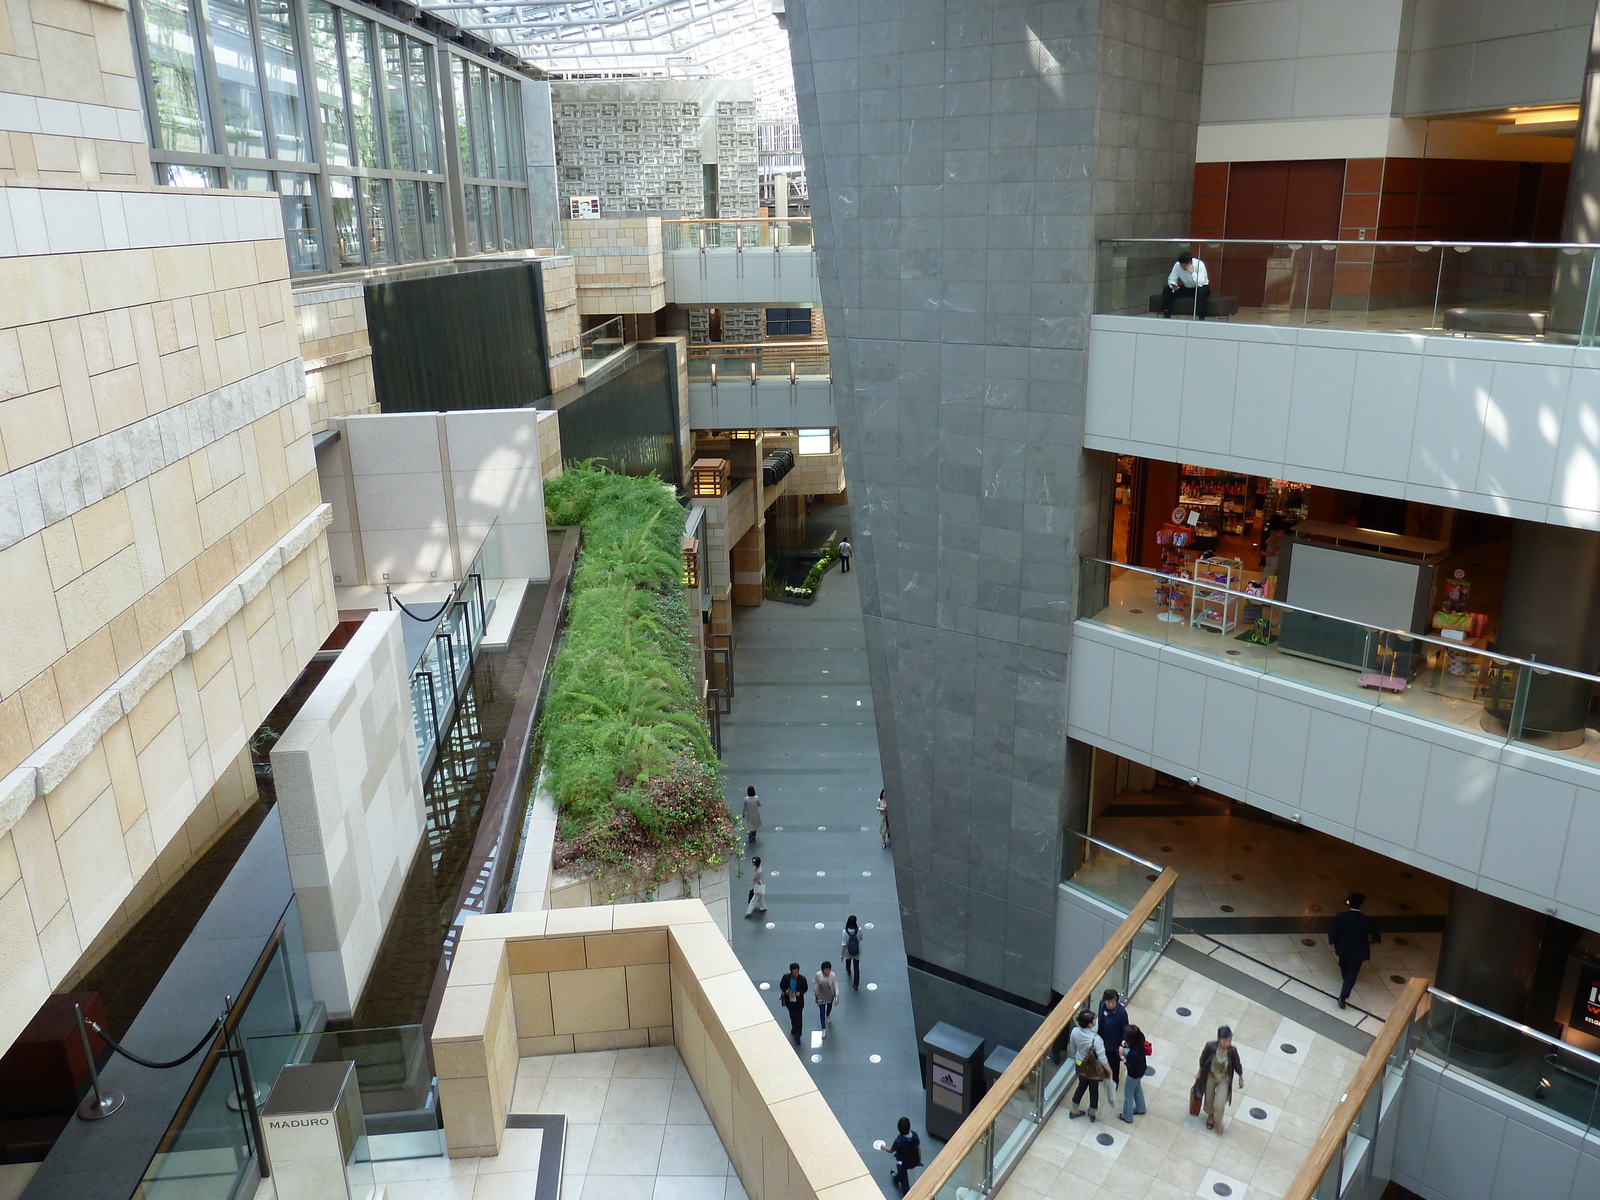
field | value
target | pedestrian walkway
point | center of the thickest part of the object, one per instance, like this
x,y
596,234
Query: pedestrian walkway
x,y
1294,1077
802,731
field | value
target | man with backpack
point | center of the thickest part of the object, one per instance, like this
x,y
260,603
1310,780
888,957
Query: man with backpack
x,y
792,990
907,1151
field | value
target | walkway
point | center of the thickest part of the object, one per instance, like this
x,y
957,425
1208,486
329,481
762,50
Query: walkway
x,y
802,731
1293,1078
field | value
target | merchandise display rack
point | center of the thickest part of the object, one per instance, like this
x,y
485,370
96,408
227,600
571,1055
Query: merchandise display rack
x,y
1215,605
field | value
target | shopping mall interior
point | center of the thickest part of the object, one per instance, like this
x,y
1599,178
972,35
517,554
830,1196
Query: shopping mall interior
x,y
522,521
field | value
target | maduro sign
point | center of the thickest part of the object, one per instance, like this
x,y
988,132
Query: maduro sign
x,y
1585,1015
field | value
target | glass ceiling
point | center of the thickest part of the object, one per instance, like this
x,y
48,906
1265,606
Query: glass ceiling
x,y
589,39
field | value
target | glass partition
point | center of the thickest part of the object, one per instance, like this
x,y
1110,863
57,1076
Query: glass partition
x,y
1515,1059
1430,677
600,343
750,233
399,1099
736,363
1546,292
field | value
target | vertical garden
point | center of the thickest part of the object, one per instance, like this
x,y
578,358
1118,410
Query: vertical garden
x,y
626,750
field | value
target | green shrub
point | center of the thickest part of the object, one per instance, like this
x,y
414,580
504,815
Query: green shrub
x,y
627,754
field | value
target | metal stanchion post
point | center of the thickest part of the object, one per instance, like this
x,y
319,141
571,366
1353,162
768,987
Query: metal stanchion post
x,y
103,1103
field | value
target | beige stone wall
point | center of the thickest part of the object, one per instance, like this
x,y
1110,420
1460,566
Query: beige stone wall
x,y
77,58
562,323
549,444
331,325
633,975
620,265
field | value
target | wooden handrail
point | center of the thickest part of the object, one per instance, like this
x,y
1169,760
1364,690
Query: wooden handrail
x,y
1368,1075
988,1111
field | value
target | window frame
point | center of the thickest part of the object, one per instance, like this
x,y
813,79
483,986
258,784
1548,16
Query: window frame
x,y
449,175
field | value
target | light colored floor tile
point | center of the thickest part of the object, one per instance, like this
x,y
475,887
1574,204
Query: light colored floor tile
x,y
460,1188
579,1148
657,1062
692,1150
580,1099
626,1150
506,1185
405,1170
686,1107
594,1064
638,1101
691,1187
735,1189
617,1187
519,1151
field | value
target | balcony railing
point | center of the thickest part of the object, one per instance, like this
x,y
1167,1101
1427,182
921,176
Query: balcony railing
x,y
773,234
1451,683
1547,292
600,343
993,1139
730,363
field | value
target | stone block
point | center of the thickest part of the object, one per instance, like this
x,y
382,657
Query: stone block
x,y
627,949
475,1128
554,1044
530,995
579,921
589,1001
649,995
545,954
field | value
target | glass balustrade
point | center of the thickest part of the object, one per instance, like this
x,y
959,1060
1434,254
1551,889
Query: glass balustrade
x,y
1530,292
1430,677
733,364
600,343
737,233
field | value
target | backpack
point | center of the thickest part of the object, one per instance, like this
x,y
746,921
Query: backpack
x,y
852,942
914,1157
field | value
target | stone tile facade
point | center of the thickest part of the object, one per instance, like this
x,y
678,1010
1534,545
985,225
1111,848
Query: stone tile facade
x,y
332,328
619,264
962,159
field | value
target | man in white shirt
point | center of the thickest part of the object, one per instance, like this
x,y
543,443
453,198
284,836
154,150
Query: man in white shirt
x,y
1188,277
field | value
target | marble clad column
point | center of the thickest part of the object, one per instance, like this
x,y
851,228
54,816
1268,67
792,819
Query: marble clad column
x,y
962,158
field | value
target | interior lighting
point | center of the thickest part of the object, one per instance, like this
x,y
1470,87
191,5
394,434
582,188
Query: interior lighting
x,y
1546,116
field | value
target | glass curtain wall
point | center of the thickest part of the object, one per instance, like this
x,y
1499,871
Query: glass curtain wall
x,y
339,111
488,139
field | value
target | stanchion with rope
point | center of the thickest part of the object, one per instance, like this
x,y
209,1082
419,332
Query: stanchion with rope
x,y
103,1103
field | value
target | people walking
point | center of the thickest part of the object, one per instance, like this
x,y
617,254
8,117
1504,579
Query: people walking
x,y
907,1151
1136,1064
758,890
1112,1027
752,811
883,816
1089,1056
792,995
825,991
846,550
1352,937
1219,1063
850,952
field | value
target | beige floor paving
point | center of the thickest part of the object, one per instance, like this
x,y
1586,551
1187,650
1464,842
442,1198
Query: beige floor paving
x,y
1168,1154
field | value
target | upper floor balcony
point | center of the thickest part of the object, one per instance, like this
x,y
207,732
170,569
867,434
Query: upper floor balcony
x,y
751,260
762,385
1461,374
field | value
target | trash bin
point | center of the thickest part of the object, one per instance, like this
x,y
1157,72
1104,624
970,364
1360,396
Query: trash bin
x,y
995,1065
955,1058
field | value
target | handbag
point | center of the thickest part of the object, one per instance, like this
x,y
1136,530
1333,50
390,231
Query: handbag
x,y
1090,1067
1194,1103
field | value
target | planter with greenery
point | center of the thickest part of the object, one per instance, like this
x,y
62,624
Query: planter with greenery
x,y
805,592
626,751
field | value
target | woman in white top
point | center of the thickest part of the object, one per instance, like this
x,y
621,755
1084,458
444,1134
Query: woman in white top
x,y
752,811
758,890
850,952
1089,1053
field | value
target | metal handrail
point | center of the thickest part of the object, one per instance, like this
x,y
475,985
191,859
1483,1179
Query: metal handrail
x,y
1143,862
1426,639
1332,243
1537,1035
1328,1150
982,1118
732,220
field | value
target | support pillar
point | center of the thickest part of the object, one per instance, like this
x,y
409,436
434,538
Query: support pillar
x,y
1580,219
1488,957
749,562
1550,612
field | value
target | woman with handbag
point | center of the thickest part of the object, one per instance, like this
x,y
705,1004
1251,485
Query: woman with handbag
x,y
758,891
1089,1055
1213,1086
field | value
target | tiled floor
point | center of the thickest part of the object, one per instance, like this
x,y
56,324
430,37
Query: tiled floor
x,y
1167,1154
636,1128
1433,694
1261,870
803,732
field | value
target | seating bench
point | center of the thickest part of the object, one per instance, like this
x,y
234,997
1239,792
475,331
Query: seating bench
x,y
1216,306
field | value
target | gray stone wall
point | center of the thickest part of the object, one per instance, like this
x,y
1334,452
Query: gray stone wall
x,y
962,159
642,145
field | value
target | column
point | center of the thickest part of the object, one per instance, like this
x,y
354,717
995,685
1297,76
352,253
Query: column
x,y
1488,958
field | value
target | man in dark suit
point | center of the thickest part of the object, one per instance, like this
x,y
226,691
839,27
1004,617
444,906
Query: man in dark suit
x,y
1352,938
